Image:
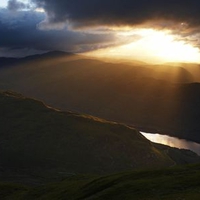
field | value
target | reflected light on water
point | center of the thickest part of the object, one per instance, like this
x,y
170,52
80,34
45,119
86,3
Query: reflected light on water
x,y
173,142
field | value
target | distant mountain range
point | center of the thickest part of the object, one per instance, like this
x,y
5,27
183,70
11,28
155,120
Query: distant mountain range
x,y
155,98
9,61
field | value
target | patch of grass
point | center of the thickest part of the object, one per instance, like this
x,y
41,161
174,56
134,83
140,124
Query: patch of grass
x,y
12,191
176,183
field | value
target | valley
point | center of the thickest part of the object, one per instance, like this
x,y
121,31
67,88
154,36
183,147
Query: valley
x,y
70,128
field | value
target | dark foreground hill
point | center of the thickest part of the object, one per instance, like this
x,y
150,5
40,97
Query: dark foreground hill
x,y
177,183
38,141
161,98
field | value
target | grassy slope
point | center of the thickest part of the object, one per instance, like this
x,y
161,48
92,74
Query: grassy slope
x,y
175,183
36,138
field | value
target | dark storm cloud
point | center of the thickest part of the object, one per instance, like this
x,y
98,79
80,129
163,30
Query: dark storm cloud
x,y
121,12
180,16
19,31
61,26
15,5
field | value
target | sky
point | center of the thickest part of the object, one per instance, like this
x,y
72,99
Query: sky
x,y
153,30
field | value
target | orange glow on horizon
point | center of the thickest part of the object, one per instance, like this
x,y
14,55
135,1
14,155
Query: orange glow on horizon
x,y
151,45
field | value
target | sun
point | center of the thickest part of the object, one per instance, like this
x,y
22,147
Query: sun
x,y
152,46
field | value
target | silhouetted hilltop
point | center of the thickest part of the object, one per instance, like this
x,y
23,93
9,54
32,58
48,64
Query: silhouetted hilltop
x,y
4,61
51,54
7,61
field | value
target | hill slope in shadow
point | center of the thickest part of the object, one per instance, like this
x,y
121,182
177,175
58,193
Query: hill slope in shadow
x,y
40,141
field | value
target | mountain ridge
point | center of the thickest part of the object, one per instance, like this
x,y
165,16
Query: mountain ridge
x,y
151,97
12,61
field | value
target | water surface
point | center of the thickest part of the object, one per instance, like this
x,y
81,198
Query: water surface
x,y
173,141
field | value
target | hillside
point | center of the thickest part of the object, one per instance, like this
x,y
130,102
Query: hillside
x,y
175,183
39,141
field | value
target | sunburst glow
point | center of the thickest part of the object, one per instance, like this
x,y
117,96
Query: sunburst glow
x,y
152,45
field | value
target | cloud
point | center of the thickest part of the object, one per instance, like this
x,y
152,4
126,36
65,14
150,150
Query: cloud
x,y
179,16
14,5
82,13
85,25
19,31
